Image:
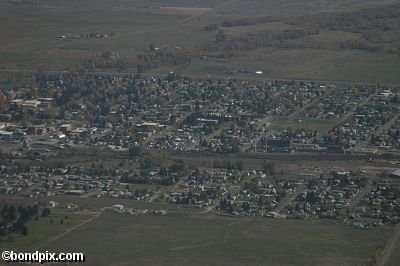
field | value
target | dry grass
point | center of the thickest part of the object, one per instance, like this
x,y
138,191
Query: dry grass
x,y
115,239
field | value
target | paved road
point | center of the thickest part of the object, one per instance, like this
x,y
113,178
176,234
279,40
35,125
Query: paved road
x,y
389,248
387,125
311,103
345,117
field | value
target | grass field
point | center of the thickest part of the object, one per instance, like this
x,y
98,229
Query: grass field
x,y
303,64
32,41
43,230
95,204
291,7
114,239
29,32
395,258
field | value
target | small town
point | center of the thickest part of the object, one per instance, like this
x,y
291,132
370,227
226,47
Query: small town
x,y
149,124
200,132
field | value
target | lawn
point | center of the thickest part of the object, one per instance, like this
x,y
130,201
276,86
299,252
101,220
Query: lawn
x,y
116,239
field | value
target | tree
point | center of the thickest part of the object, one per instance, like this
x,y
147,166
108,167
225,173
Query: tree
x,y
11,215
140,68
46,212
239,165
11,237
235,147
269,167
136,150
24,230
383,174
4,210
3,102
51,113
34,211
220,36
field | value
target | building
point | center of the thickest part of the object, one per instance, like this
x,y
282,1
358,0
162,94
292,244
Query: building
x,y
395,173
65,128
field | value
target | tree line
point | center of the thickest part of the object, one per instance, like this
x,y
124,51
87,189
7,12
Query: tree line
x,y
13,220
376,26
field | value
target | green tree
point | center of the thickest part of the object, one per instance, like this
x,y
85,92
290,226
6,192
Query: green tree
x,y
24,230
46,212
135,151
269,167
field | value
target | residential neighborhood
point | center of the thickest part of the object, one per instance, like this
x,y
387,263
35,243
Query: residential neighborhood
x,y
144,121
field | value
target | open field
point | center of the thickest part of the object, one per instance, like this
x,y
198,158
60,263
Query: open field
x,y
394,259
291,7
115,239
31,29
303,64
95,204
45,229
118,4
32,41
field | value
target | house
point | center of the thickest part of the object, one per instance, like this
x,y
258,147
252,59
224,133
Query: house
x,y
31,104
395,173
35,130
278,145
75,192
16,102
207,121
117,207
6,135
148,126
65,128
